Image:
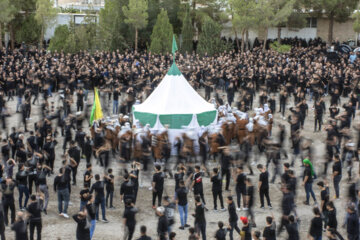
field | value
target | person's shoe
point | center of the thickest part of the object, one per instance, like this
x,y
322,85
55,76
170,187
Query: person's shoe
x,y
181,228
153,207
187,225
262,208
105,220
74,184
223,209
65,215
270,207
45,211
61,214
112,208
306,203
238,209
245,209
254,225
215,210
70,203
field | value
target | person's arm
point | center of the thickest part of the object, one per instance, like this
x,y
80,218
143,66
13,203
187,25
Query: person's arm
x,y
55,183
305,179
259,185
73,162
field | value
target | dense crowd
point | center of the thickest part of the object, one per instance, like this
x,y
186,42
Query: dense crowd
x,y
231,80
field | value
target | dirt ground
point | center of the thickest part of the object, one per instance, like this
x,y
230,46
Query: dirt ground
x,y
55,227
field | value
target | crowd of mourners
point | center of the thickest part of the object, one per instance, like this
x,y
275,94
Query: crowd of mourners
x,y
42,159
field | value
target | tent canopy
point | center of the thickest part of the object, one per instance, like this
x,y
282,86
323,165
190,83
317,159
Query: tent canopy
x,y
175,103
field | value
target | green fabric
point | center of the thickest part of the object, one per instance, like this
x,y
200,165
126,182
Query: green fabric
x,y
206,118
307,161
175,121
145,118
174,70
174,46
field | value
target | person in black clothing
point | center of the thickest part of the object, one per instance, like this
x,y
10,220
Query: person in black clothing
x,y
129,218
263,186
157,185
5,150
80,100
80,139
2,222
8,201
316,227
143,234
217,188
162,227
246,229
197,184
20,227
88,175
352,223
134,176
67,133
82,230
61,186
200,221
116,94
21,179
181,199
127,189
221,232
88,149
49,152
225,163
287,205
324,195
292,228
240,187
318,111
98,188
269,231
337,174
250,200
233,218
331,215
74,153
34,209
109,183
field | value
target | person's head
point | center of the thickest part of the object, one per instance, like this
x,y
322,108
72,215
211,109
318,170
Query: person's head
x,y
316,211
143,230
351,209
256,235
31,133
229,199
291,219
160,211
269,220
172,236
128,202
21,166
33,197
239,169
72,143
97,177
244,220
215,170
321,184
88,166
157,168
197,199
260,167
336,157
166,200
191,230
290,173
286,166
197,168
248,181
220,224
330,205
331,232
182,183
126,177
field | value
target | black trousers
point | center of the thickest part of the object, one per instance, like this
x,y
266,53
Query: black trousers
x,y
38,226
9,203
74,172
217,194
131,230
226,172
200,192
157,194
32,180
318,120
264,192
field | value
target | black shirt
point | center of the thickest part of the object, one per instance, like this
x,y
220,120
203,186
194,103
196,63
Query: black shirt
x,y
250,194
269,233
292,231
220,234
162,226
264,179
158,179
233,217
82,232
127,189
20,229
99,189
225,162
332,221
129,214
324,197
34,209
109,184
178,177
337,167
216,183
181,194
316,227
240,181
21,177
200,214
247,232
198,182
307,172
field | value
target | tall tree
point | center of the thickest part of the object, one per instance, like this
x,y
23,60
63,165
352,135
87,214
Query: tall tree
x,y
187,34
172,8
137,16
356,24
210,39
272,13
45,15
60,37
7,13
162,35
334,10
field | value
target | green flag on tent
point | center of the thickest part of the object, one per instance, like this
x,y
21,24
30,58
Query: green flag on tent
x,y
174,47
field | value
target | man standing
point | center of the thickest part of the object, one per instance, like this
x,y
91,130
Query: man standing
x,y
162,227
225,166
8,200
263,186
200,221
337,171
352,221
74,153
127,189
233,217
61,185
308,181
98,187
181,198
197,183
157,185
129,219
240,187
34,209
217,188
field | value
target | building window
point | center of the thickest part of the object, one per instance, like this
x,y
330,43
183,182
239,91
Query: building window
x,y
311,22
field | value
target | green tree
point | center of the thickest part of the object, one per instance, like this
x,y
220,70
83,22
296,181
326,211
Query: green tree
x,y
6,15
272,13
162,35
45,15
210,39
335,10
187,34
173,8
137,16
28,30
112,27
356,24
60,37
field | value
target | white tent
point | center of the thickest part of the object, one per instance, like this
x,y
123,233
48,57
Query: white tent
x,y
176,104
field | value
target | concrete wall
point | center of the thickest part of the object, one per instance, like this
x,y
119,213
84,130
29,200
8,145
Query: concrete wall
x,y
342,31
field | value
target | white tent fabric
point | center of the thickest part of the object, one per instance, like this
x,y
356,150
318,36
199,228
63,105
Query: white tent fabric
x,y
174,95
